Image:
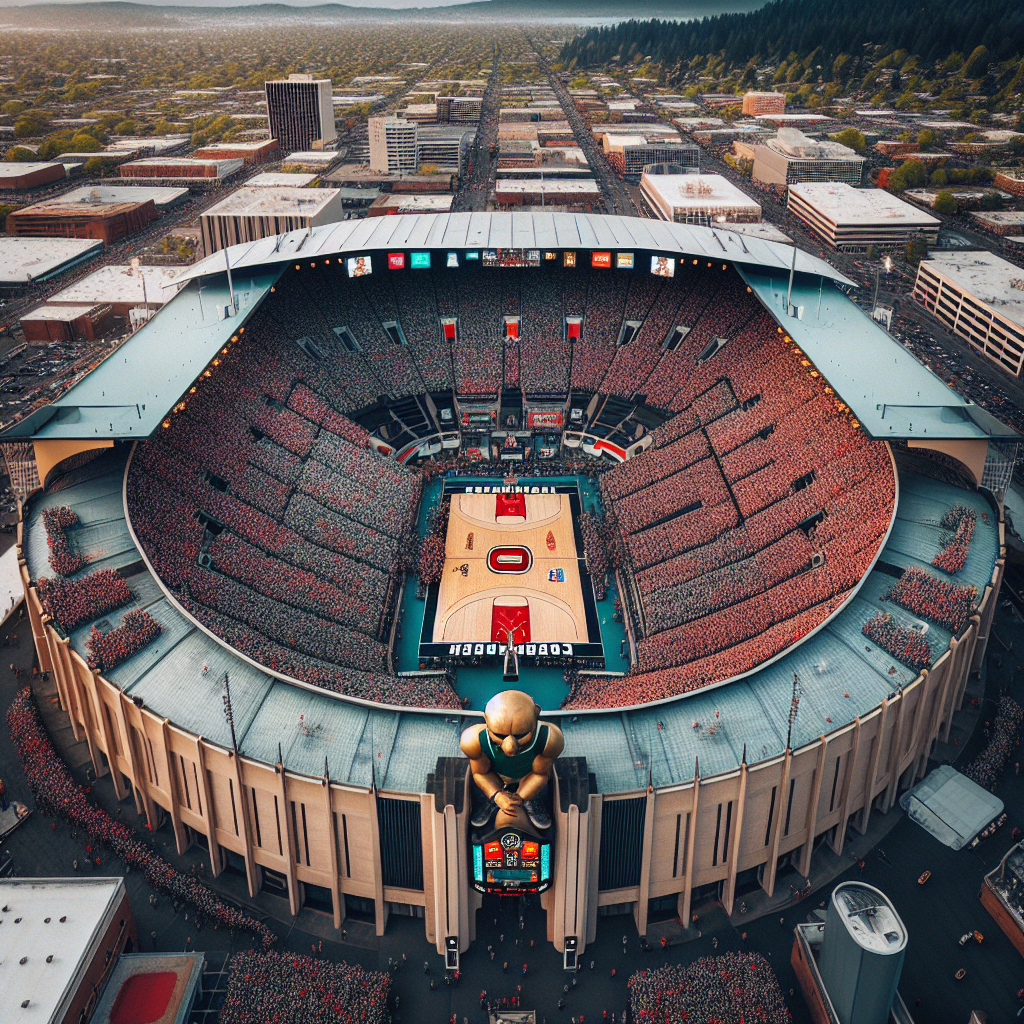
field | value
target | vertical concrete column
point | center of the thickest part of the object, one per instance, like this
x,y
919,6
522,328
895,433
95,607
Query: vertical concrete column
x,y
873,761
209,817
729,895
567,906
768,879
290,839
812,809
172,787
839,839
691,838
646,853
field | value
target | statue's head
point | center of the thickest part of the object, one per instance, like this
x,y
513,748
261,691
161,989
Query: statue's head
x,y
511,718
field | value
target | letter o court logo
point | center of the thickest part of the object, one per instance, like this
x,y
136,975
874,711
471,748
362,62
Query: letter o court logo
x,y
511,559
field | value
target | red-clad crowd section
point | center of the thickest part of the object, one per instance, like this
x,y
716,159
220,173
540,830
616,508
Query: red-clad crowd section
x,y
755,511
56,793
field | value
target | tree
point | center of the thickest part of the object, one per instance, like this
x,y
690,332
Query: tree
x,y
83,143
939,177
13,107
27,128
852,138
916,249
20,155
126,127
925,139
910,174
976,63
945,202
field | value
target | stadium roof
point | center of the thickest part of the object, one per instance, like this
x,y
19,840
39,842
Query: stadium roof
x,y
127,395
842,674
889,391
537,230
159,362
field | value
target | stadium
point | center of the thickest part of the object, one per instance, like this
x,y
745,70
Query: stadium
x,y
745,548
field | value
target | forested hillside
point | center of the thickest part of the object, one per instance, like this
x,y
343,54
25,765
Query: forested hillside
x,y
931,29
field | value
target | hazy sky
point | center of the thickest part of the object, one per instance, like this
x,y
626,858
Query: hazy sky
x,y
630,8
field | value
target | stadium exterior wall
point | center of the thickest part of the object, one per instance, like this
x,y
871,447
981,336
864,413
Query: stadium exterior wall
x,y
314,832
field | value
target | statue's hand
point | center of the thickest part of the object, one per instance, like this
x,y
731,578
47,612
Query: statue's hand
x,y
507,801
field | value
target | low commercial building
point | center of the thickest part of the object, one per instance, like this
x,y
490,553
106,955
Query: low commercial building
x,y
384,206
185,170
66,323
1010,180
247,152
581,195
764,102
698,199
67,218
15,176
25,261
980,297
1000,222
795,120
250,214
312,159
64,935
853,218
121,287
164,197
791,157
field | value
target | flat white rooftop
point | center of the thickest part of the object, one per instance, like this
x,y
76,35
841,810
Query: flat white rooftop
x,y
273,202
16,170
43,917
792,118
845,205
26,259
994,281
105,195
418,204
312,156
120,284
697,191
63,313
281,179
558,187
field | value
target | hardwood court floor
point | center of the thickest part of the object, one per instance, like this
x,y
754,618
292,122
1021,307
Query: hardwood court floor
x,y
469,588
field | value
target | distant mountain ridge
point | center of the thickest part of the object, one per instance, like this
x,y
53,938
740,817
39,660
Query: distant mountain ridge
x,y
115,13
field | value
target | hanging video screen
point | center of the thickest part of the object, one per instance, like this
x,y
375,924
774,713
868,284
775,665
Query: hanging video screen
x,y
511,258
359,266
663,266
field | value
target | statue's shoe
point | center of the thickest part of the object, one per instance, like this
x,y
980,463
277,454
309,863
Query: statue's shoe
x,y
538,814
483,814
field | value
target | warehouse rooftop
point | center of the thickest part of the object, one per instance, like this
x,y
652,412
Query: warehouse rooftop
x,y
845,205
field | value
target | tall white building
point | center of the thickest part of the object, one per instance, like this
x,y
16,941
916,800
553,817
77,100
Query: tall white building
x,y
392,145
300,110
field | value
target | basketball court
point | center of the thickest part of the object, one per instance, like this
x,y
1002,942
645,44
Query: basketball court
x,y
511,564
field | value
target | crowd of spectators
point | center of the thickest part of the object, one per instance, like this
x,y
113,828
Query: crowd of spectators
x,y
56,793
595,547
906,645
430,563
72,602
110,649
544,350
960,521
287,988
1003,739
752,515
57,521
732,987
926,595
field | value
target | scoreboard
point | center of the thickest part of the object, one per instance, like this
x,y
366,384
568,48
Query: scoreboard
x,y
511,861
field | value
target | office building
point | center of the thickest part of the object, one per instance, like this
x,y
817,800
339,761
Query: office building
x,y
853,218
792,157
250,214
400,146
764,102
630,154
459,109
698,199
980,298
392,145
444,147
300,110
